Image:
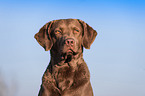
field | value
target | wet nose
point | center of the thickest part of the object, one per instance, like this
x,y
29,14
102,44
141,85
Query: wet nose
x,y
69,42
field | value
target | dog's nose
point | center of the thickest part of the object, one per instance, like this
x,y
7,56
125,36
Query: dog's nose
x,y
69,41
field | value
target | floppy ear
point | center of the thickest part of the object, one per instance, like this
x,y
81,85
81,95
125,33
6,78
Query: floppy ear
x,y
43,36
89,35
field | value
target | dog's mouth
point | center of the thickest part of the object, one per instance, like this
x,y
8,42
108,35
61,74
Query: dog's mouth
x,y
68,55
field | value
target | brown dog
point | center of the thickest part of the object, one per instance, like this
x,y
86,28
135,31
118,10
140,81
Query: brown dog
x,y
67,73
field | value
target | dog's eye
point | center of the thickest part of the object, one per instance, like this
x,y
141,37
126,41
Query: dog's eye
x,y
76,31
58,32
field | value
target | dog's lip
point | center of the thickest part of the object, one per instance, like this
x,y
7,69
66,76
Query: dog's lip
x,y
69,51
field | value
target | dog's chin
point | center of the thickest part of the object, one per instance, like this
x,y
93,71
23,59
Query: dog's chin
x,y
68,55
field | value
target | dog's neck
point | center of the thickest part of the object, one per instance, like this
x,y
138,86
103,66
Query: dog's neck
x,y
56,62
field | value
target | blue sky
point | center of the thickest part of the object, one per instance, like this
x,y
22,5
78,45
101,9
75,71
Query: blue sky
x,y
116,58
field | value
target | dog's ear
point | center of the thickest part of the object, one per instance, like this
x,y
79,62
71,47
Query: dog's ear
x,y
89,35
43,36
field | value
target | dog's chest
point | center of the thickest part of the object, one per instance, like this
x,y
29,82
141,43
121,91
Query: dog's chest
x,y
64,77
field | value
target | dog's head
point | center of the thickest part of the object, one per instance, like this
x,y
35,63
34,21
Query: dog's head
x,y
66,36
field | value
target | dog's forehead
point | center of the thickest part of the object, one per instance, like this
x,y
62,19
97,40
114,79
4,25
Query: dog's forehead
x,y
66,23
